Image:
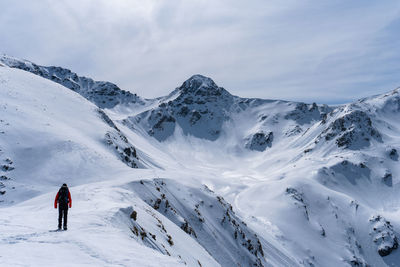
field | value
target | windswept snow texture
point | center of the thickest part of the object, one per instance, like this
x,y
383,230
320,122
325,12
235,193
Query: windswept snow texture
x,y
102,94
299,184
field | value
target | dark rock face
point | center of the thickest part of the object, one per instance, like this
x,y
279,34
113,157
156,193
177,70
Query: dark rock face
x,y
102,94
388,179
199,85
163,127
383,235
353,131
7,167
393,154
260,141
304,113
207,218
125,151
121,145
199,108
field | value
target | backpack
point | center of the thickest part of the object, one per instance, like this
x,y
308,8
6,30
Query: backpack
x,y
63,195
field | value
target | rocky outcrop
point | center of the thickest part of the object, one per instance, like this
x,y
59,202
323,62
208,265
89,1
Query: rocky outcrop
x,y
260,141
199,107
125,151
383,235
393,154
387,179
119,143
7,167
354,130
306,113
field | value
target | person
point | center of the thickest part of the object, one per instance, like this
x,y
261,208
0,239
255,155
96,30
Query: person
x,y
63,199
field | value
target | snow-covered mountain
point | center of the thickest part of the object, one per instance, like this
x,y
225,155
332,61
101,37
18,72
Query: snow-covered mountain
x,y
246,182
200,108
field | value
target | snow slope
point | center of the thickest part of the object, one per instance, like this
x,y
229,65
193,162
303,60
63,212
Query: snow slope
x,y
318,175
95,238
47,131
309,185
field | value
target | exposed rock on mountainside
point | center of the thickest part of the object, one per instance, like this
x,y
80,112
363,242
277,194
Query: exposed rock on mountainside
x,y
199,107
118,141
103,94
6,167
260,141
393,154
353,130
304,114
125,151
383,235
387,179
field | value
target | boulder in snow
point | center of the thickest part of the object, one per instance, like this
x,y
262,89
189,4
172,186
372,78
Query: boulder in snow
x,y
260,141
383,235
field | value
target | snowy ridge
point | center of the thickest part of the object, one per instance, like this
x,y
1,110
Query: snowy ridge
x,y
102,94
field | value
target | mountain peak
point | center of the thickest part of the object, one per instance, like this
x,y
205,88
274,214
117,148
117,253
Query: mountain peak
x,y
202,86
198,81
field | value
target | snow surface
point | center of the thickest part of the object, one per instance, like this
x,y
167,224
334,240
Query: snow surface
x,y
324,191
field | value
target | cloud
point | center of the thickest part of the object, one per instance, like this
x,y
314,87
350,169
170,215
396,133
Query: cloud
x,y
324,51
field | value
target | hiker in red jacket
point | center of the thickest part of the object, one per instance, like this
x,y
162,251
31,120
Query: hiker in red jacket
x,y
63,198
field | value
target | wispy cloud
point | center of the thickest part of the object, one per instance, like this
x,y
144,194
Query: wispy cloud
x,y
324,51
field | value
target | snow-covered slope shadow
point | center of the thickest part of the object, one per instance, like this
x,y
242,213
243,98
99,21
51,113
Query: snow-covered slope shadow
x,y
203,216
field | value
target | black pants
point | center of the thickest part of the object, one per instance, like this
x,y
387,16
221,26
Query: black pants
x,y
62,212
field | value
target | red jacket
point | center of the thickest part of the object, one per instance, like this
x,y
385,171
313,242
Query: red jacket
x,y
69,200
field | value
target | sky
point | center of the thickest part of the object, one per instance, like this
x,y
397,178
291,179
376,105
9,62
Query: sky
x,y
320,51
